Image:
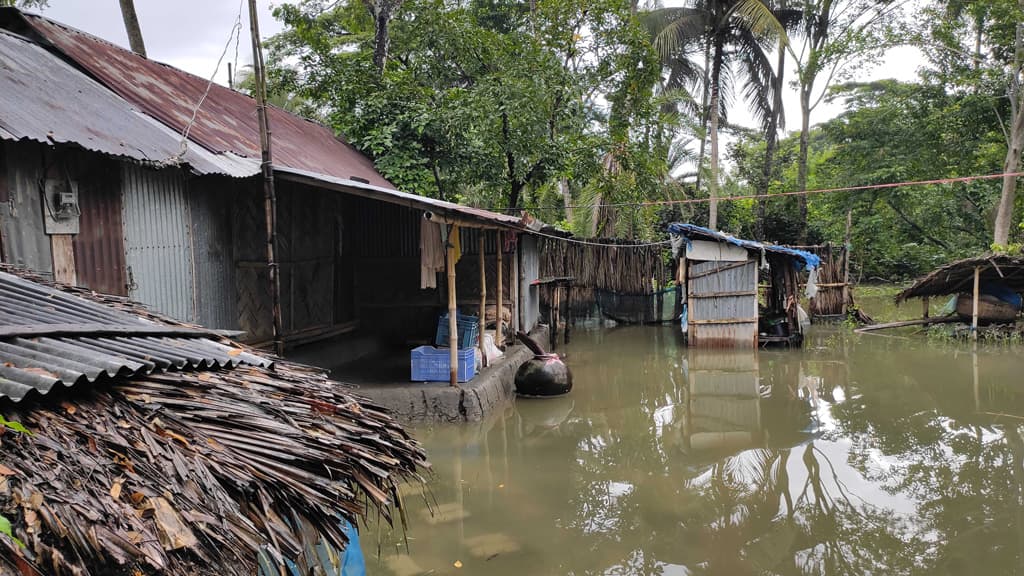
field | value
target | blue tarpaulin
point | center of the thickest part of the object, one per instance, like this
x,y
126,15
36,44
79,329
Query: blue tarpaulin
x,y
692,231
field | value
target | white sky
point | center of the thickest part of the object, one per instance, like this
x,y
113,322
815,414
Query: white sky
x,y
191,34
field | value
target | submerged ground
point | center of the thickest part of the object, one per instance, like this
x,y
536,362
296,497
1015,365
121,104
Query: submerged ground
x,y
858,454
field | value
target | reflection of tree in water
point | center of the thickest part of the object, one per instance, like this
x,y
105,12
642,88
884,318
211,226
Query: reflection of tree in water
x,y
954,445
640,503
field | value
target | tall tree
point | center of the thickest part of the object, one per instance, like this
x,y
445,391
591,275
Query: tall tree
x,y
838,36
735,32
131,26
978,47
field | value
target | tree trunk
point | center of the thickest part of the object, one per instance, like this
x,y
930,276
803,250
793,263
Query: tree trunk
x,y
716,72
801,170
771,143
703,115
382,11
563,187
131,26
1004,215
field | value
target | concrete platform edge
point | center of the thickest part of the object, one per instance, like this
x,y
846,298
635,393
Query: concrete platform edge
x,y
436,402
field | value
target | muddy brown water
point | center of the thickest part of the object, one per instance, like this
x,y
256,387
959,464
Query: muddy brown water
x,y
858,454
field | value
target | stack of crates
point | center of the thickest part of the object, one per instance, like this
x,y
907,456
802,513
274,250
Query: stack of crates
x,y
431,364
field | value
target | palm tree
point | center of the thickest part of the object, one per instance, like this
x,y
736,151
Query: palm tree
x,y
730,33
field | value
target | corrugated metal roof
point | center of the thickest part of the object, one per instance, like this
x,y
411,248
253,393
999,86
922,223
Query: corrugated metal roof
x,y
226,122
693,231
439,207
46,100
51,339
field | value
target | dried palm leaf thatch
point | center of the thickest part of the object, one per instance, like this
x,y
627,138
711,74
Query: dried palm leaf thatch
x,y
188,473
195,471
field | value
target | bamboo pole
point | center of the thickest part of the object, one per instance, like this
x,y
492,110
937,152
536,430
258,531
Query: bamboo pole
x,y
453,325
517,322
846,263
925,305
483,298
499,341
267,168
974,303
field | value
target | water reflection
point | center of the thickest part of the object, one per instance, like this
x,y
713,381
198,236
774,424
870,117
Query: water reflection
x,y
855,455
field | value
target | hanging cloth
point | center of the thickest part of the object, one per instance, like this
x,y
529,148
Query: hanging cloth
x,y
509,241
431,253
455,238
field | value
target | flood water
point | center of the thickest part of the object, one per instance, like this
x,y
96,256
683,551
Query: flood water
x,y
858,454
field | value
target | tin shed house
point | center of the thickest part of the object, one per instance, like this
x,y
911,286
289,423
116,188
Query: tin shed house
x,y
104,193
721,274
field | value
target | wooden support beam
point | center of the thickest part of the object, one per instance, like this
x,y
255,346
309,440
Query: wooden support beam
x,y
499,339
846,262
719,269
62,248
974,303
925,307
483,297
453,325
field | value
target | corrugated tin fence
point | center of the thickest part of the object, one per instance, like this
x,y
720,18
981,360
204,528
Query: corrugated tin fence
x,y
157,242
529,270
722,304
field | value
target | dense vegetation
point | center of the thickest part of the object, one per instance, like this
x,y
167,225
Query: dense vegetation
x,y
611,117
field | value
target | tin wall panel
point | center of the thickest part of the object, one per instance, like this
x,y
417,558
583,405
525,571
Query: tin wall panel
x,y
158,249
210,203
734,318
99,245
21,216
529,270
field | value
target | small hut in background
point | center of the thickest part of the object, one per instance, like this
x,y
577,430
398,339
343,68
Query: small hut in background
x,y
723,307
987,289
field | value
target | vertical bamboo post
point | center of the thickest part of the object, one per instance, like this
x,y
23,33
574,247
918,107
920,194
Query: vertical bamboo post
x,y
499,340
453,325
483,297
517,322
267,169
925,304
974,310
846,263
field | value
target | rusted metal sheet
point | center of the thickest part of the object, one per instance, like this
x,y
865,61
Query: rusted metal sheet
x,y
99,245
46,100
226,122
467,214
722,304
158,249
211,201
21,216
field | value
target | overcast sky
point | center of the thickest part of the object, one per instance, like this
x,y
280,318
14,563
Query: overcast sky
x,y
191,34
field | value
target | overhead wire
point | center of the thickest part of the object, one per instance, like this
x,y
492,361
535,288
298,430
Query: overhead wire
x,y
236,31
865,187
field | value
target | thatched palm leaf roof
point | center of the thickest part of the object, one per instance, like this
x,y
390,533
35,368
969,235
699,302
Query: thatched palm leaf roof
x,y
958,277
195,471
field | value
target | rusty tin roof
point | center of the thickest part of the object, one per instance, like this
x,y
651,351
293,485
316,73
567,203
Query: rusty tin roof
x,y
225,123
46,100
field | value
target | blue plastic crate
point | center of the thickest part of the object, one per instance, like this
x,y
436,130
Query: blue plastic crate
x,y
430,364
467,325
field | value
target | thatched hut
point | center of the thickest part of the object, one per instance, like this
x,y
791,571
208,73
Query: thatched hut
x,y
136,445
988,287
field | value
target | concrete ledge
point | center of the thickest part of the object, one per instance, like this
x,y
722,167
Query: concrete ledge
x,y
432,402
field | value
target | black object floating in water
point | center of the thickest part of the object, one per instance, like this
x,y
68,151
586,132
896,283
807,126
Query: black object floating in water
x,y
544,374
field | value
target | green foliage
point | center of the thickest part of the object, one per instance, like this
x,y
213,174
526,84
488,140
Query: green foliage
x,y
5,528
492,102
15,426
26,4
